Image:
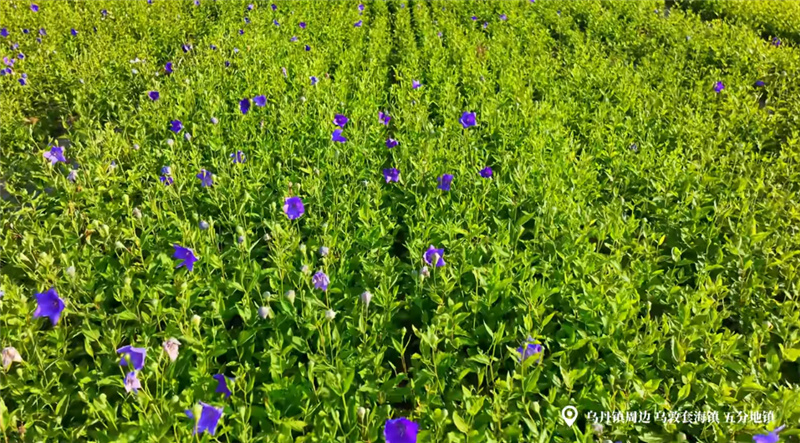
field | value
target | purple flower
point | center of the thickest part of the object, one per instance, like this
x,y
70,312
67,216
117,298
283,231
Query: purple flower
x,y
166,176
250,7
132,382
776,41
209,419
445,181
260,101
186,255
771,437
485,25
50,305
20,56
302,25
283,70
384,118
503,17
247,20
205,178
293,39
186,47
73,32
35,7
136,356
308,48
168,68
340,120
274,8
474,18
275,22
214,120
467,119
73,175
358,24
55,155
361,7
4,32
235,50
103,12
293,208
320,281
222,385
391,175
529,349
244,105
153,95
759,83
241,32
187,136
391,143
486,172
718,87
238,157
23,81
203,226
337,136
227,63
197,2
176,126
42,32
314,80
400,430
433,254
415,84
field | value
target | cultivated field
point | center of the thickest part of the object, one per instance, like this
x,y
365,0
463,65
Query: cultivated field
x,y
402,221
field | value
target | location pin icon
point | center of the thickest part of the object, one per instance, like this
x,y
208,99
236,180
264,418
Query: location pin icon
x,y
569,414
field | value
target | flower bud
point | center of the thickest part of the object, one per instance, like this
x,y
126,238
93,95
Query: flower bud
x,y
330,314
137,213
196,320
323,251
366,297
361,412
70,271
290,295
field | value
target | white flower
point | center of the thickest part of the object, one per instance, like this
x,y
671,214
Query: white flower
x,y
302,248
70,271
361,412
196,320
170,142
137,213
305,269
366,297
171,348
9,355
265,312
134,71
330,314
424,272
323,251
132,382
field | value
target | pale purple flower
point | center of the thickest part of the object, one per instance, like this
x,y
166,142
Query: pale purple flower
x,y
260,101
293,39
718,87
361,7
415,84
73,175
302,25
313,80
503,17
186,47
132,382
214,120
358,24
250,7
35,7
154,95
337,136
384,118
275,22
203,225
293,208
320,281
771,437
284,71
391,143
9,355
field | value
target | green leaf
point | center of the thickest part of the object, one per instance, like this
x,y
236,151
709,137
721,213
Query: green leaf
x,y
460,423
